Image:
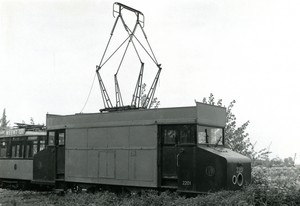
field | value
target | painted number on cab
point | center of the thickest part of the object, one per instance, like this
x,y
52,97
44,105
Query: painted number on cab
x,y
186,183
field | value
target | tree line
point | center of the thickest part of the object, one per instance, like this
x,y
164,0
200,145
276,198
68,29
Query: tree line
x,y
4,123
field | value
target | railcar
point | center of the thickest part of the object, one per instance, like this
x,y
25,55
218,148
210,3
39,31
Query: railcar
x,y
181,148
17,148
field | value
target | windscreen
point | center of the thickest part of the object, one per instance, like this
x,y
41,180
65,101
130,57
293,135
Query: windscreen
x,y
209,135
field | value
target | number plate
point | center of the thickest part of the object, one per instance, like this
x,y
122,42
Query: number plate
x,y
186,183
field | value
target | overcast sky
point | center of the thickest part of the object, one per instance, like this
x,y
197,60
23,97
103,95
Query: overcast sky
x,y
241,50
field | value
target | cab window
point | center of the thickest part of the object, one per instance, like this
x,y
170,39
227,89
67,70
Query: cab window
x,y
216,136
210,135
179,134
170,136
187,134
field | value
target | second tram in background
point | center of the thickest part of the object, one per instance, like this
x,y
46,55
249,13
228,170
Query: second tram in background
x,y
17,148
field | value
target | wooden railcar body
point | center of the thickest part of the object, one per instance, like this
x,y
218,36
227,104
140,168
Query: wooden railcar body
x,y
17,148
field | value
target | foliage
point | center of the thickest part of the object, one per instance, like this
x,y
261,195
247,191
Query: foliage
x,y
236,137
277,185
31,120
289,162
3,121
278,162
270,186
154,103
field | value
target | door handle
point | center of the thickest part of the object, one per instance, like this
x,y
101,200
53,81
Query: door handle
x,y
181,151
177,160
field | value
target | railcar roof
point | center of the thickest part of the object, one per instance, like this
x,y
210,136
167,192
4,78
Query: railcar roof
x,y
201,114
7,133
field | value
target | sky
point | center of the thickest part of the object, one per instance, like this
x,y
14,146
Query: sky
x,y
241,50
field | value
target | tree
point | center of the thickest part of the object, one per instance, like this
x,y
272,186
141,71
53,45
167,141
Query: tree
x,y
31,120
3,121
236,137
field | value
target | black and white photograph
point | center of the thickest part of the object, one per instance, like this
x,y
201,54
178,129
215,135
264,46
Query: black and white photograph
x,y
149,102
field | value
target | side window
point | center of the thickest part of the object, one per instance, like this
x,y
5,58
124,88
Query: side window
x,y
56,138
17,147
170,135
51,138
61,138
187,134
27,149
34,148
31,147
4,147
42,142
34,144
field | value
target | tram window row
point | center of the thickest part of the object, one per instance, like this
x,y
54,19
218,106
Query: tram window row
x,y
21,147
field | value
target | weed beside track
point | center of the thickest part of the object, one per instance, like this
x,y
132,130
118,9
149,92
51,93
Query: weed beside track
x,y
270,186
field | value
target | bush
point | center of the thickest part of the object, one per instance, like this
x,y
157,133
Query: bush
x,y
276,185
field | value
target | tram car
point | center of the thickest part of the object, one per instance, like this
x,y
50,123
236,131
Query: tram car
x,y
179,148
17,148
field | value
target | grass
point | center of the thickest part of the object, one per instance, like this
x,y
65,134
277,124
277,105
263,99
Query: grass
x,y
251,195
270,187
